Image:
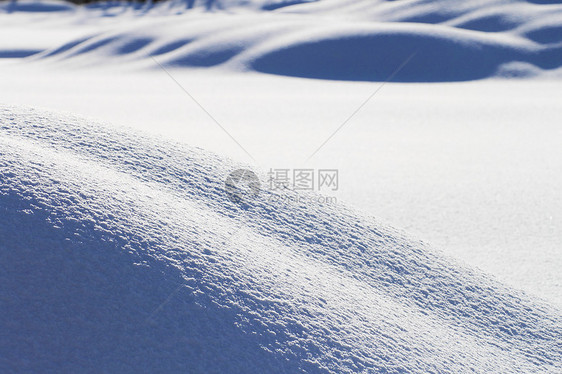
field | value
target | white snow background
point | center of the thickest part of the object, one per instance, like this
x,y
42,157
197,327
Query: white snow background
x,y
120,252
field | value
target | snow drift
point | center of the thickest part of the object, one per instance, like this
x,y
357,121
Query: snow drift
x,y
362,40
122,253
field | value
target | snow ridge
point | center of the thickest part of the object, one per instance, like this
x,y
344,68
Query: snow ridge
x,y
121,252
345,40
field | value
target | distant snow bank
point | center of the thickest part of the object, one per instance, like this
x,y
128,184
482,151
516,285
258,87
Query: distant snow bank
x,y
121,253
362,40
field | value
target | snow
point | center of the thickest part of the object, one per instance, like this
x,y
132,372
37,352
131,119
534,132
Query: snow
x,y
326,39
120,250
469,168
99,226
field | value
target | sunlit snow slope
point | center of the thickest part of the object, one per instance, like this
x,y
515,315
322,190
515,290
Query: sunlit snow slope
x,y
121,253
363,40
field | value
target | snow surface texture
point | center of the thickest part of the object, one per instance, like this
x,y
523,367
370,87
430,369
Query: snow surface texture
x,y
121,253
364,40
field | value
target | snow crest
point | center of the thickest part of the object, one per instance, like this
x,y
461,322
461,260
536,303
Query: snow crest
x,y
363,40
122,253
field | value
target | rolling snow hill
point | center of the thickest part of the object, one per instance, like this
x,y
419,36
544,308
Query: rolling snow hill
x,y
362,40
121,252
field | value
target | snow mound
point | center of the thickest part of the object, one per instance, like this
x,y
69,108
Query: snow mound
x,y
34,6
362,40
122,253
